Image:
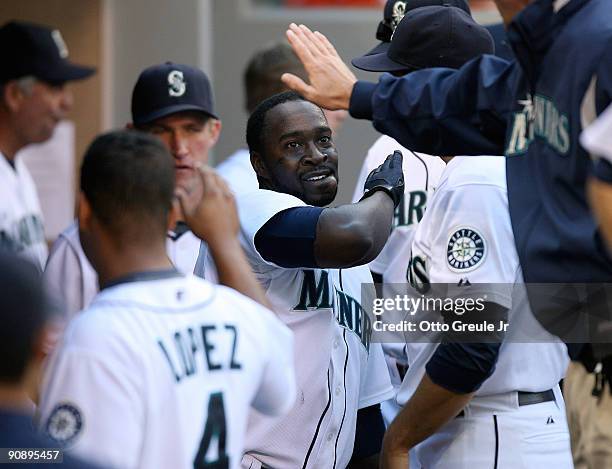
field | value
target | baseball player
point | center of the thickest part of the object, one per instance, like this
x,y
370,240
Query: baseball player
x,y
33,99
474,404
161,368
173,102
310,261
465,239
262,80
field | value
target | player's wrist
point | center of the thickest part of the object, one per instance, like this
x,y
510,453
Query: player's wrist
x,y
383,193
223,245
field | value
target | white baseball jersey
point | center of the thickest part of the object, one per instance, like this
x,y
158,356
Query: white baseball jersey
x,y
160,372
421,175
238,172
72,280
466,238
338,370
21,220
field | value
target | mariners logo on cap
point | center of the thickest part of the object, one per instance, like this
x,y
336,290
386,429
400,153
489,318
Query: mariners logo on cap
x,y
465,249
399,10
59,42
176,82
65,424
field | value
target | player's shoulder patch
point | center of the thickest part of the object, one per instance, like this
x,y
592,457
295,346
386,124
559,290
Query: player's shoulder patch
x,y
65,424
465,250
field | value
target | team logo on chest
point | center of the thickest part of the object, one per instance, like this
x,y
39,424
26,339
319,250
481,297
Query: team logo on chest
x,y
465,249
539,117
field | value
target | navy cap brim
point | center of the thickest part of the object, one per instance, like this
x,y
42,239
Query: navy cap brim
x,y
381,48
159,113
65,71
379,63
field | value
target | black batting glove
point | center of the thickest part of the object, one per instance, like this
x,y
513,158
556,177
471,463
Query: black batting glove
x,y
388,177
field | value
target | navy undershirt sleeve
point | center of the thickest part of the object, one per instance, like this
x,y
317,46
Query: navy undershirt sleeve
x,y
369,433
460,363
287,239
462,368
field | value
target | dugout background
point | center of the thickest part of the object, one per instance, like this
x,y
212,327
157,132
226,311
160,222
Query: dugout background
x,y
121,37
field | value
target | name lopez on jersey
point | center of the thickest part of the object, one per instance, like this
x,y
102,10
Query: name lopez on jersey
x,y
203,341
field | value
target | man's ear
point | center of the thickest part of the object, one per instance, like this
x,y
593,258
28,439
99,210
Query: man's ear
x,y
214,127
84,213
259,166
13,95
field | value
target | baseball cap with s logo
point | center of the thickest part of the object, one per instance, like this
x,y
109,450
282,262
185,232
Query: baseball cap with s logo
x,y
168,88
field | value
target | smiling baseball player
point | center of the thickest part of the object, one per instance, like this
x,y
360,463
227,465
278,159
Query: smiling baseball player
x,y
305,256
160,370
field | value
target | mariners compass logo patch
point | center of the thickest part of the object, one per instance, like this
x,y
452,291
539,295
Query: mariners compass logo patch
x,y
64,424
465,249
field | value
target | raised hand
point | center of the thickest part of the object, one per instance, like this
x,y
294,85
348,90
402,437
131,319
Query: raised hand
x,y
331,81
208,207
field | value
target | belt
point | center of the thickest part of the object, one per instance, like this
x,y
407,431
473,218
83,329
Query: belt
x,y
528,398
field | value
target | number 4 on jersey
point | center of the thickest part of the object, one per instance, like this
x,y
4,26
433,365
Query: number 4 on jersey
x,y
215,428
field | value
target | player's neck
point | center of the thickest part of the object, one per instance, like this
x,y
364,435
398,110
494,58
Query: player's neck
x,y
446,159
9,143
131,261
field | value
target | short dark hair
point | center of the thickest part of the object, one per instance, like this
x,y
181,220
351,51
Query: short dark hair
x,y
127,177
257,120
262,77
24,311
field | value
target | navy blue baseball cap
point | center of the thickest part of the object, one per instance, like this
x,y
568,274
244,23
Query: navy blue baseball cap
x,y
168,88
32,49
393,13
433,36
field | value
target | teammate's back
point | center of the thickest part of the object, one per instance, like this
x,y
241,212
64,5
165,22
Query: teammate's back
x,y
161,369
161,372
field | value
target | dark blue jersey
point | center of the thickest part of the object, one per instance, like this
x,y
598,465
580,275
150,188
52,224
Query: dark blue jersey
x,y
532,110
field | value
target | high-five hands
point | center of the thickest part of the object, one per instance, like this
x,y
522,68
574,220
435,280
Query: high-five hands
x,y
331,81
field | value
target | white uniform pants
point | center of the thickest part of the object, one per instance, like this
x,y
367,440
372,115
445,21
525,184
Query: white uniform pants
x,y
496,433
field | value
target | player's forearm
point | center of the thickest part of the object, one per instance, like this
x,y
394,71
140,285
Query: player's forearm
x,y
353,234
235,272
430,407
600,193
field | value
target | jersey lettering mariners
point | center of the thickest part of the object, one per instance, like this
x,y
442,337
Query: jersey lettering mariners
x,y
465,239
421,175
338,369
160,372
